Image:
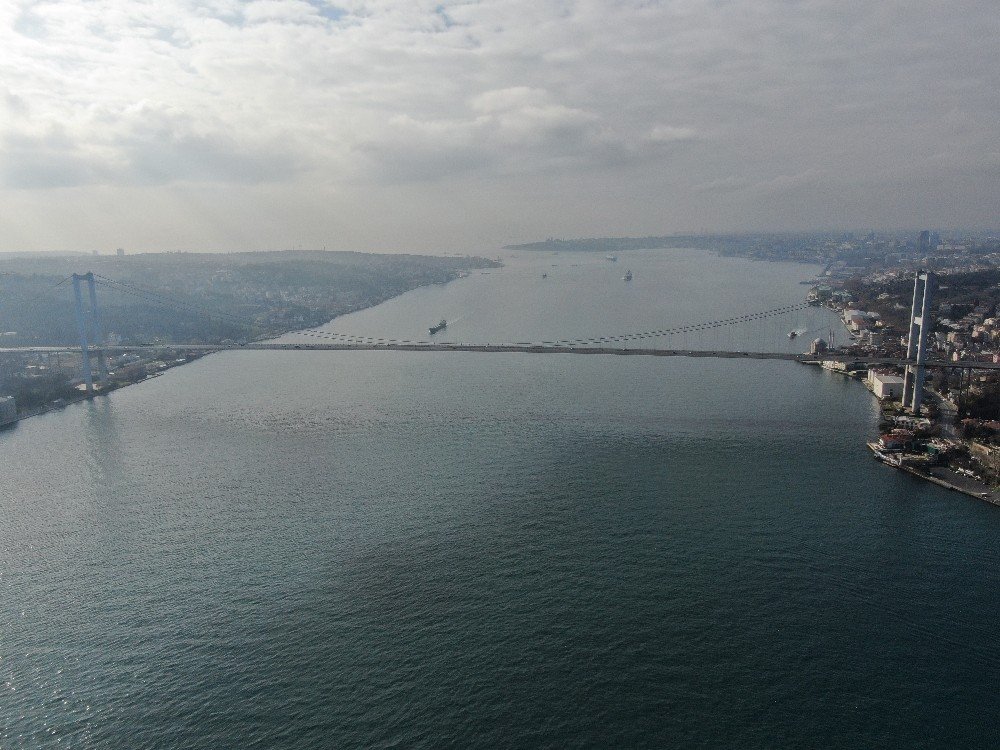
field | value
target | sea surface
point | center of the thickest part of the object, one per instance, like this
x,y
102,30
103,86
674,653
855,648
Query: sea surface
x,y
428,550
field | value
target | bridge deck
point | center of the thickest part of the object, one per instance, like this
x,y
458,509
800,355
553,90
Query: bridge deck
x,y
507,349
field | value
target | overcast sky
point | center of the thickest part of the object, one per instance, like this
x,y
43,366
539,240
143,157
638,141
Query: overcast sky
x,y
462,126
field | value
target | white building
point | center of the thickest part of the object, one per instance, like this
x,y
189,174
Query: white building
x,y
885,386
859,320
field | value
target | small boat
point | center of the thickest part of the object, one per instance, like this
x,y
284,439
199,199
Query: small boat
x,y
545,276
792,334
612,258
628,275
439,327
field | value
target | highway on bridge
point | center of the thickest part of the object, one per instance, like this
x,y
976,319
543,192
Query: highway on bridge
x,y
504,349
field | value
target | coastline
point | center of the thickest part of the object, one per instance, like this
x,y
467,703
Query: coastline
x,y
192,356
989,497
182,356
978,489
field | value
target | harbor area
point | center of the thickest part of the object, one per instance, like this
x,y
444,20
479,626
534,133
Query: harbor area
x,y
932,461
935,445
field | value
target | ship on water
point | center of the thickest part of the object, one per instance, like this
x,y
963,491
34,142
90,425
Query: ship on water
x,y
628,275
439,327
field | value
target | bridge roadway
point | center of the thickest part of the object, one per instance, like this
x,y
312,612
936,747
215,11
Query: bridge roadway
x,y
522,348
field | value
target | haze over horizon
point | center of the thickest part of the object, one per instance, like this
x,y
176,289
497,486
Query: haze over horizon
x,y
451,126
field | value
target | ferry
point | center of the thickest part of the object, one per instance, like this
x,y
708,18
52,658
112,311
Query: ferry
x,y
628,275
439,327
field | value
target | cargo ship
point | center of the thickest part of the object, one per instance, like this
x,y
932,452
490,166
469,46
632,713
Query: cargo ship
x,y
439,327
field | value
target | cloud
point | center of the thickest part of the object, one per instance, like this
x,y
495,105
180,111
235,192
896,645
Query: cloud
x,y
723,185
512,98
671,134
502,132
599,110
145,144
785,183
50,161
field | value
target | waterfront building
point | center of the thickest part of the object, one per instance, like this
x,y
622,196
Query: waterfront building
x,y
885,385
911,423
859,320
848,368
897,440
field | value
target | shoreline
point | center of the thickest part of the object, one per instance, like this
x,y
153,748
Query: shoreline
x,y
984,492
987,496
103,391
193,356
949,486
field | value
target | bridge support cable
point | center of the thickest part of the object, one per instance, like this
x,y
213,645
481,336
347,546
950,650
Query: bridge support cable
x,y
699,329
162,300
713,330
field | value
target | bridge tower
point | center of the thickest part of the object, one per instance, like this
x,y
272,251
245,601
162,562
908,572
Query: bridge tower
x,y
916,347
91,315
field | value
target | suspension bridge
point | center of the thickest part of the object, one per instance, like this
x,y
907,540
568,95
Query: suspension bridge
x,y
91,336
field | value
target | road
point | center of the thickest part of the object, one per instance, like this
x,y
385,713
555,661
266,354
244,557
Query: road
x,y
525,348
947,413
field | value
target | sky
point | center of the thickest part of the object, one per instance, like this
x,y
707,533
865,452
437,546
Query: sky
x,y
399,125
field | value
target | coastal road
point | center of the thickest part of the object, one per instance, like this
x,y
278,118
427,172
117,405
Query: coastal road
x,y
947,413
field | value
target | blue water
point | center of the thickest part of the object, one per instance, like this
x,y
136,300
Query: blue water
x,y
318,549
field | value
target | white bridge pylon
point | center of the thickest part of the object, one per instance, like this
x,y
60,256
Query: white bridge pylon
x,y
916,347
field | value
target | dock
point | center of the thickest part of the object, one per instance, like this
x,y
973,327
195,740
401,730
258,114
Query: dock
x,y
895,460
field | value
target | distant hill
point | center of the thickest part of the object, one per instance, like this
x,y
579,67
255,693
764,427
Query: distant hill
x,y
207,297
807,247
612,244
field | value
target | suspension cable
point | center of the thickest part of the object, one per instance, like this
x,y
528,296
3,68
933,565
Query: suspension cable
x,y
682,329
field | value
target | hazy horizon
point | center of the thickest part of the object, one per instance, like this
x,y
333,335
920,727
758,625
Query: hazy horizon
x,y
950,234
433,127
